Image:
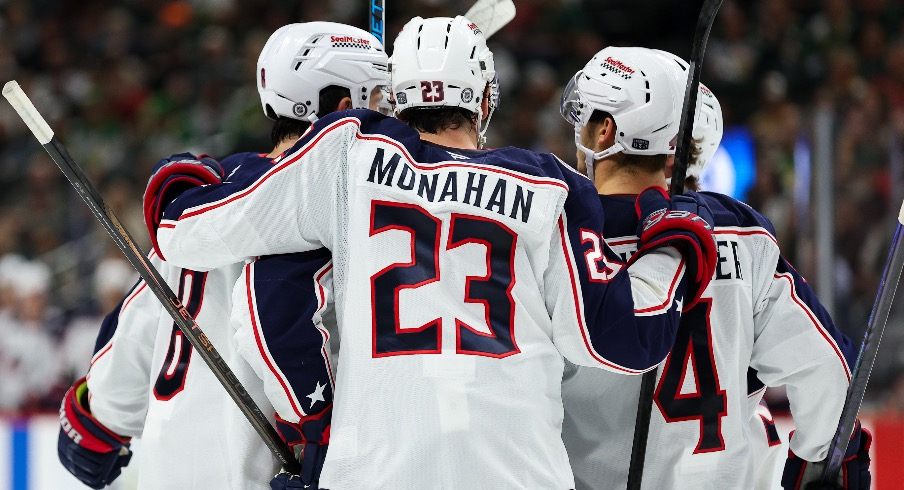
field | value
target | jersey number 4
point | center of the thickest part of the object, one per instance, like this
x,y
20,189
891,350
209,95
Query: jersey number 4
x,y
493,290
707,403
171,379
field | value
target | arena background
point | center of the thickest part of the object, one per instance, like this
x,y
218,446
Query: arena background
x,y
812,93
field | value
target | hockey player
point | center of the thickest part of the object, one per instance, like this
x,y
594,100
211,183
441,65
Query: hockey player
x,y
477,268
144,380
758,323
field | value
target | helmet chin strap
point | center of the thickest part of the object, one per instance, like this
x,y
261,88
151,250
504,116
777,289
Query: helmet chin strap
x,y
589,156
482,126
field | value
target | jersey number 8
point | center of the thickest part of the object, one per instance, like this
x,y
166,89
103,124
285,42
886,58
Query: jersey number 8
x,y
171,379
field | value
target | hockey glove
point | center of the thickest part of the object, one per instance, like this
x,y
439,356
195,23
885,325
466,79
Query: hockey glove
x,y
90,451
854,475
684,222
172,176
313,434
287,481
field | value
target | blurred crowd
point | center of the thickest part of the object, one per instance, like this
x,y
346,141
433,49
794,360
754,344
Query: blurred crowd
x,y
125,83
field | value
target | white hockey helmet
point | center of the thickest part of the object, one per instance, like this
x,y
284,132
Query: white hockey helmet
x,y
299,60
708,125
443,62
636,88
708,129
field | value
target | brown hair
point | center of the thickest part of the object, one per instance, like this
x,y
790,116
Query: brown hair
x,y
435,120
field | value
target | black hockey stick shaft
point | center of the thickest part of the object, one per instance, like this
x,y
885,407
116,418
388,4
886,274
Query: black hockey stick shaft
x,y
688,109
641,429
679,171
149,274
878,318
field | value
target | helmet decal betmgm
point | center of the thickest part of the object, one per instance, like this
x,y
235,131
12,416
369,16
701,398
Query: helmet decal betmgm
x,y
401,98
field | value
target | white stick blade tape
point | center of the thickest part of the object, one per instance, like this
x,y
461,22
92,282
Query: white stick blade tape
x,y
901,214
491,15
20,102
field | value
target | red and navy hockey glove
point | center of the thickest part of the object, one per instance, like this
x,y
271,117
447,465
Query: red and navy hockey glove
x,y
172,176
90,451
854,475
684,222
313,434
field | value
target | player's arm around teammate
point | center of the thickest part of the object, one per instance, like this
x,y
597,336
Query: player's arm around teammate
x,y
219,224
357,68
359,181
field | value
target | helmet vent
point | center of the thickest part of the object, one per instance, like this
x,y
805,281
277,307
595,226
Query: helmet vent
x,y
660,129
447,42
473,50
298,65
306,52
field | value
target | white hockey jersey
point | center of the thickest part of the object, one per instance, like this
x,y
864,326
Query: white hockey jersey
x,y
766,446
460,279
147,381
758,323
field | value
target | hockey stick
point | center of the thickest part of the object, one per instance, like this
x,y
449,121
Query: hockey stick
x,y
867,356
688,109
679,172
151,276
491,15
378,20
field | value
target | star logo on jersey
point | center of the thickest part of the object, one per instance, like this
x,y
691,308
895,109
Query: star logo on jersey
x,y
317,395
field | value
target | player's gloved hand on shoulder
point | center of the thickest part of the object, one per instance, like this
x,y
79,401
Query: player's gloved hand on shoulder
x,y
800,474
684,222
90,451
313,434
172,176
